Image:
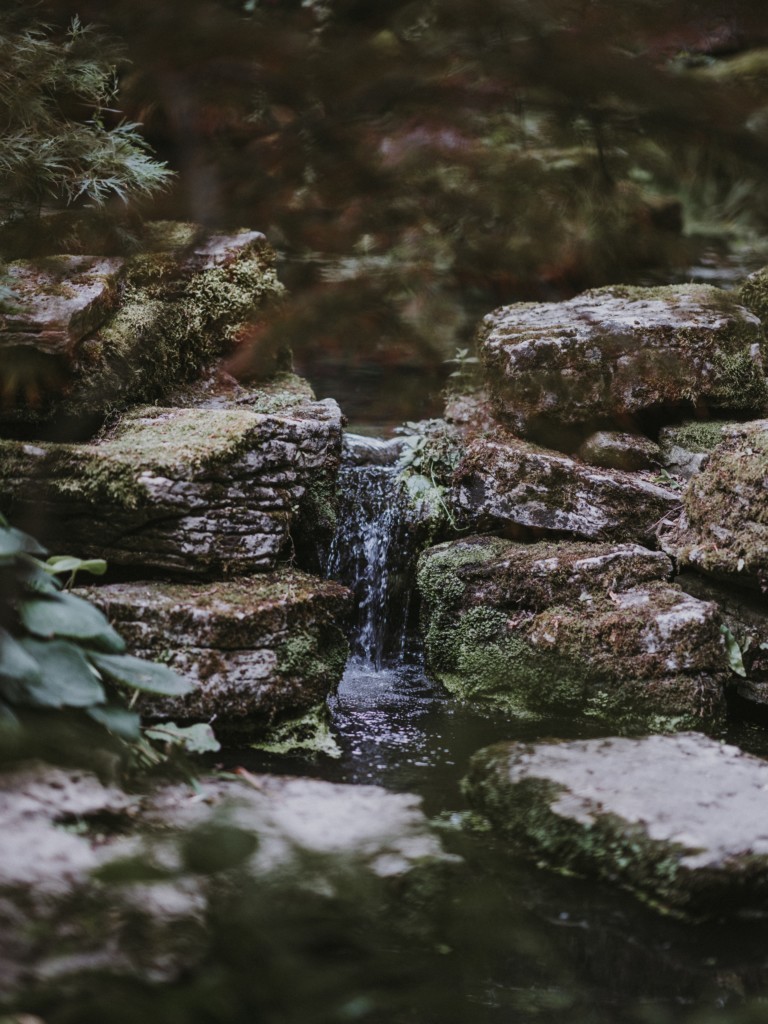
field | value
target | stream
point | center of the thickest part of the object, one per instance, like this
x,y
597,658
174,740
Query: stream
x,y
518,944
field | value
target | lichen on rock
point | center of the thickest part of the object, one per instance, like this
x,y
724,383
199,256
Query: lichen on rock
x,y
552,629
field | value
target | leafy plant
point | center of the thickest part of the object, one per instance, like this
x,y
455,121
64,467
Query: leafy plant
x,y
58,652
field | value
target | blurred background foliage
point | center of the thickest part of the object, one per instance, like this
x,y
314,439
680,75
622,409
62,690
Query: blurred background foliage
x,y
418,162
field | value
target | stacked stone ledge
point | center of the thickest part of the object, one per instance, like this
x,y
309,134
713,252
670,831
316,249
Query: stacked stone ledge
x,y
216,483
618,579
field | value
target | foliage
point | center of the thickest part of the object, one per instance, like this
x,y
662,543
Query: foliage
x,y
58,653
55,146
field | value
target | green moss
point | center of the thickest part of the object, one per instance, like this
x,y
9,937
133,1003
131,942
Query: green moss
x,y
754,294
698,435
314,658
309,733
740,381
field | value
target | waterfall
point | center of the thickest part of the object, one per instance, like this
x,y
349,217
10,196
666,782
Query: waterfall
x,y
371,549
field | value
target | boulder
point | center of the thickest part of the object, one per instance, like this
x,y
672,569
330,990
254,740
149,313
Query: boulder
x,y
146,886
552,630
91,335
612,449
259,649
505,484
723,528
613,356
190,491
677,819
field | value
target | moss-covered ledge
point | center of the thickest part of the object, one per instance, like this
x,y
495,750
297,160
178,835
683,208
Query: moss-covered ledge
x,y
260,649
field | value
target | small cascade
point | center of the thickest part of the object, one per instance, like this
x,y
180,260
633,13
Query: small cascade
x,y
371,550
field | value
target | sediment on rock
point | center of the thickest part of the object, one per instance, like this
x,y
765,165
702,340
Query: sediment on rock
x,y
258,649
614,356
673,818
562,629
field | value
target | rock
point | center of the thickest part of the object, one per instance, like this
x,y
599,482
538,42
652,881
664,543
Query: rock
x,y
614,450
182,304
57,301
723,529
509,484
550,630
685,448
613,355
754,294
192,491
259,649
176,864
677,819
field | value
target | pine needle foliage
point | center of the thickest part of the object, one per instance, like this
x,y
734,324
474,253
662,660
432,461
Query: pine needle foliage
x,y
55,145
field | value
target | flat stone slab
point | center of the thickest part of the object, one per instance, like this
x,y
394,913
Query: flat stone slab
x,y
681,820
59,300
723,529
511,485
193,491
612,354
356,846
613,449
554,630
259,649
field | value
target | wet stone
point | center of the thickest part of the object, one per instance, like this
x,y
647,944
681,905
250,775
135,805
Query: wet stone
x,y
680,820
614,354
258,649
193,492
511,485
551,630
723,528
614,450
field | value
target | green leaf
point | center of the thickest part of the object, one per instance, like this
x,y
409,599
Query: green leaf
x,y
68,563
15,663
733,653
32,575
140,674
119,720
69,616
195,739
67,678
15,542
212,848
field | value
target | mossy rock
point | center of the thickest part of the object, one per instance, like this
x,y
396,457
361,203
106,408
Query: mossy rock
x,y
260,650
672,818
618,356
559,629
192,491
723,529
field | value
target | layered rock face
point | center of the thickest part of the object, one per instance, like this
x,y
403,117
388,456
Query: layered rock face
x,y
215,482
555,630
613,355
677,819
194,492
260,649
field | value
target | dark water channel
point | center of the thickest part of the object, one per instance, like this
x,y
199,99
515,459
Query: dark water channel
x,y
515,943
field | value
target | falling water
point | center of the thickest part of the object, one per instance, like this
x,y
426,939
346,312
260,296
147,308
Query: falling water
x,y
371,552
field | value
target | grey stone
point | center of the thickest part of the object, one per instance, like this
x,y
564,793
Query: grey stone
x,y
551,630
59,923
504,483
685,447
258,649
723,528
678,819
615,450
613,354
